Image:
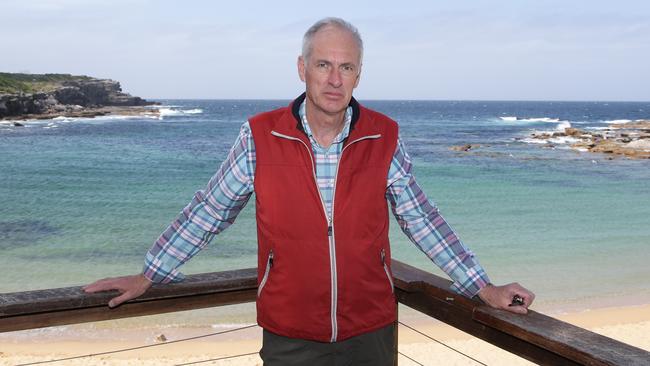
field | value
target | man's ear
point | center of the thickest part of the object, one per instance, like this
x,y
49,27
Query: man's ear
x,y
301,68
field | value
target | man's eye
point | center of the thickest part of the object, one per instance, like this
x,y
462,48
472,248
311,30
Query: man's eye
x,y
321,65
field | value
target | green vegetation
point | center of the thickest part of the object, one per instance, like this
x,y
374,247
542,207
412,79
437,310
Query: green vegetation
x,y
32,83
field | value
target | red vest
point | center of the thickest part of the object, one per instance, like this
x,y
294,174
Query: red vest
x,y
323,279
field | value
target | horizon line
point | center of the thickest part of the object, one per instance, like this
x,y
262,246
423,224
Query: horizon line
x,y
425,100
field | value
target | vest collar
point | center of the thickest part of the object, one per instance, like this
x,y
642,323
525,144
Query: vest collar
x,y
295,111
290,124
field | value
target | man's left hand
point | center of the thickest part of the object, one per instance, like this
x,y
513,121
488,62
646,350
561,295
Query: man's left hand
x,y
502,297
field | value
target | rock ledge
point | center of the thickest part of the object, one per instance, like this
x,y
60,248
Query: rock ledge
x,y
39,96
631,139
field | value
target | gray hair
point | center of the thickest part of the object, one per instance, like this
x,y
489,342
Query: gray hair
x,y
335,22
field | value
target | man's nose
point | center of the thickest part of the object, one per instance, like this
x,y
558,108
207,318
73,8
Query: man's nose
x,y
334,77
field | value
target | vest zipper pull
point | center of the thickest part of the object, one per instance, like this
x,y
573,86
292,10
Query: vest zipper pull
x,y
329,226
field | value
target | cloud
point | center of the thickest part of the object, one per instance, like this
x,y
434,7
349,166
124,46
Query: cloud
x,y
427,50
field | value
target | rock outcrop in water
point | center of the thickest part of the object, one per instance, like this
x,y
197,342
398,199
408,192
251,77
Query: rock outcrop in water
x,y
24,96
631,139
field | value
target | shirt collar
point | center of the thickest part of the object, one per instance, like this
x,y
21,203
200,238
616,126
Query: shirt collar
x,y
339,138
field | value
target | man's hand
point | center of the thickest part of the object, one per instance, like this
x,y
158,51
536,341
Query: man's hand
x,y
502,297
129,287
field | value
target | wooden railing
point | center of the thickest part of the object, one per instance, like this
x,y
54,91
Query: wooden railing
x,y
536,337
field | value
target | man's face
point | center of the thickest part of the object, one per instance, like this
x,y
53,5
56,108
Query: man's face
x,y
332,70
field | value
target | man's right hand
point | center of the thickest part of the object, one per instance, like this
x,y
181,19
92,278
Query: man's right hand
x,y
129,287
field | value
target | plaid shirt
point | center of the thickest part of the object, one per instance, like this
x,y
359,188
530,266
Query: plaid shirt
x,y
215,208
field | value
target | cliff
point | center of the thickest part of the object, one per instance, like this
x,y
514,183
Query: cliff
x,y
45,94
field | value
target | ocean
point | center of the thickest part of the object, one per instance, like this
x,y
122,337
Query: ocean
x,y
83,199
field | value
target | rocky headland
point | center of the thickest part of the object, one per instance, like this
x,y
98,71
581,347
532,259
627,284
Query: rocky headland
x,y
44,96
630,139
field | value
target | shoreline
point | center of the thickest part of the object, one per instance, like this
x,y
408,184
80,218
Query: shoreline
x,y
629,324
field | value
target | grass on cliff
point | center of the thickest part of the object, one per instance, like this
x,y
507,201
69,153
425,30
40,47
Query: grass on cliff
x,y
33,83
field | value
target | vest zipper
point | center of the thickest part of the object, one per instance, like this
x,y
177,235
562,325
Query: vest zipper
x,y
330,223
269,264
383,262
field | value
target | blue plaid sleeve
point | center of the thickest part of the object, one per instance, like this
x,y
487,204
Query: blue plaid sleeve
x,y
422,223
210,212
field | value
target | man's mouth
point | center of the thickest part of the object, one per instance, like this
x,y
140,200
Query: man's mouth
x,y
332,95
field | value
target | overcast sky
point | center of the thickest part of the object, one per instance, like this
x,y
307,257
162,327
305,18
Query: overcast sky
x,y
489,50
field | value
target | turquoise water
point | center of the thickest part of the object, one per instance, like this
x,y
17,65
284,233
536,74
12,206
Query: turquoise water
x,y
85,198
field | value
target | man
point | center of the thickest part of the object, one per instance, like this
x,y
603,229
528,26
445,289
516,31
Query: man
x,y
323,170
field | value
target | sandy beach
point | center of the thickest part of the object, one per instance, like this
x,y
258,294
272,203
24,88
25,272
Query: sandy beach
x,y
627,324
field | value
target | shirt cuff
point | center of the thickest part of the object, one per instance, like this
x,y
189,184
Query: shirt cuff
x,y
476,278
158,271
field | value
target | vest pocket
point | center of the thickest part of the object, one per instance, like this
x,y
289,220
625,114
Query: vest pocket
x,y
269,264
388,275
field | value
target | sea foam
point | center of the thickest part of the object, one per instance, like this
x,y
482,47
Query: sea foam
x,y
166,112
529,119
618,121
563,126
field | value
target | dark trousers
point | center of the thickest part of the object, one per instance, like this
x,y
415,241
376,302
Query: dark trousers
x,y
370,349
